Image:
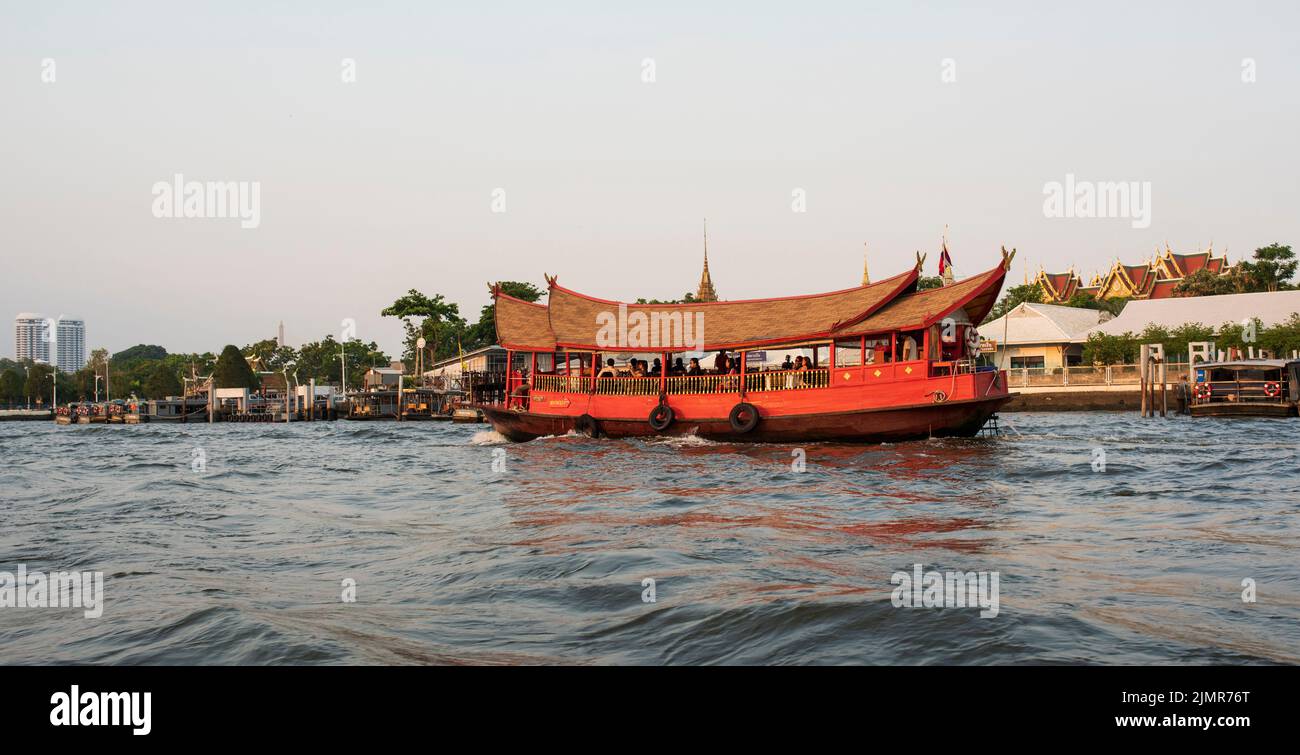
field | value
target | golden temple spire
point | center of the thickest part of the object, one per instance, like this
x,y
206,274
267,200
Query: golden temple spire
x,y
866,278
706,292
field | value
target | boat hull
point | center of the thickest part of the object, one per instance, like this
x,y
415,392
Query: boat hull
x,y
1244,409
874,425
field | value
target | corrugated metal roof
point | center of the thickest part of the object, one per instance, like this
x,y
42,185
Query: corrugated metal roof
x,y
1270,308
1031,323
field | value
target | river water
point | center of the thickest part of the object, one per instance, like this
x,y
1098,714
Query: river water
x,y
1114,540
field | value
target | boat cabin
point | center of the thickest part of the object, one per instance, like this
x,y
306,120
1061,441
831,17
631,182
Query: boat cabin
x,y
1246,387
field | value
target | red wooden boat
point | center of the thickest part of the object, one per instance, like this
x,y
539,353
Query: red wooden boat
x,y
887,362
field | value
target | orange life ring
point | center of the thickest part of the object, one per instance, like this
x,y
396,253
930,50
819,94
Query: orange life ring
x,y
1203,390
1272,389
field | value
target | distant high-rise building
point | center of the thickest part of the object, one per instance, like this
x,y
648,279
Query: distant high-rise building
x,y
279,341
70,344
60,342
31,337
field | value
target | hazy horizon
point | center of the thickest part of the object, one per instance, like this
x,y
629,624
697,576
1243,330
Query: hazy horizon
x,y
375,186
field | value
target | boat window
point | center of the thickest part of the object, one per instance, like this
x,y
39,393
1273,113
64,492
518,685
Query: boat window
x,y
909,345
848,353
878,350
546,363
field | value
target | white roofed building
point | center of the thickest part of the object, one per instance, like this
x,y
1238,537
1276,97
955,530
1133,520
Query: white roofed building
x,y
1270,308
1034,336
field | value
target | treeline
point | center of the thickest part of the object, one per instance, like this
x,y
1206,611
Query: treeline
x,y
149,372
1281,339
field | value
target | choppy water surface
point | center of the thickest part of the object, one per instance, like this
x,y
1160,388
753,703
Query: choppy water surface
x,y
243,561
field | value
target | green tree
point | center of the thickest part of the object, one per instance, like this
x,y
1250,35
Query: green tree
x,y
320,360
38,385
1234,335
1107,349
1088,301
139,352
1282,339
1014,297
11,385
440,323
1272,269
162,382
273,356
1203,282
232,370
1181,336
926,282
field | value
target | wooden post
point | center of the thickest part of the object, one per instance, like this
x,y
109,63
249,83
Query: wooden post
x,y
1142,379
1164,390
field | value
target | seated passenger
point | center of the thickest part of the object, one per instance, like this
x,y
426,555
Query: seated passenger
x,y
637,369
608,370
720,363
678,368
910,351
695,369
787,364
656,370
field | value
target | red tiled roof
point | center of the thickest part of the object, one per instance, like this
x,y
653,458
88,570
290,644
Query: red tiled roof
x,y
575,319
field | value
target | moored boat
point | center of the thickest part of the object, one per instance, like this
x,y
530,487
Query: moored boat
x,y
885,362
1246,388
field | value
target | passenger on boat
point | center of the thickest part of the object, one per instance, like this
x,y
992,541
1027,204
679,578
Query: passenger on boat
x,y
787,364
678,368
637,369
910,352
656,370
695,369
720,363
608,370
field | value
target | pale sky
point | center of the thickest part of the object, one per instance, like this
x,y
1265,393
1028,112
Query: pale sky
x,y
383,184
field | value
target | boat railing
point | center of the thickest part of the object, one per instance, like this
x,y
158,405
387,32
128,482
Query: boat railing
x,y
777,380
561,383
627,386
787,380
702,384
1242,392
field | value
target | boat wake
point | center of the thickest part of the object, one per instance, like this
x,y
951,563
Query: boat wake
x,y
488,438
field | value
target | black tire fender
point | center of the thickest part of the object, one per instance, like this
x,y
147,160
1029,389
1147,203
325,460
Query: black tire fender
x,y
661,417
586,425
743,418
